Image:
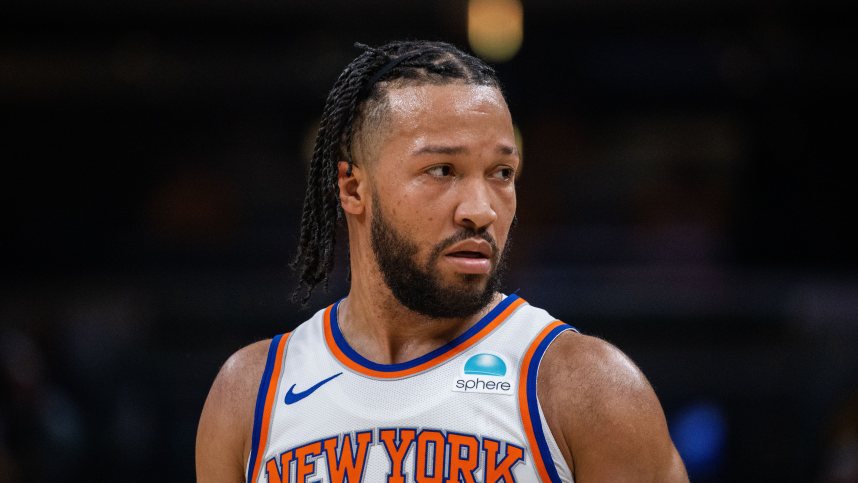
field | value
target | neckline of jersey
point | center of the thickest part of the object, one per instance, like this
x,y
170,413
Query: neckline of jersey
x,y
353,360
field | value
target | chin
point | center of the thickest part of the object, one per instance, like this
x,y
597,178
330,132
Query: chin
x,y
473,278
470,282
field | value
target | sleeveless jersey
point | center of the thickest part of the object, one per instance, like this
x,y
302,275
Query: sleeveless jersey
x,y
465,412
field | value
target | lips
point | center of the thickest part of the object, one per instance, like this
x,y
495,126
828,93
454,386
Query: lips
x,y
471,248
472,256
467,255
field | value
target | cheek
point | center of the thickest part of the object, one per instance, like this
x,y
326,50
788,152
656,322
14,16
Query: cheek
x,y
420,204
414,212
513,202
505,210
506,204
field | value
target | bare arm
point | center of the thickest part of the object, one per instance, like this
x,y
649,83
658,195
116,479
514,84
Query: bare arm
x,y
604,414
226,423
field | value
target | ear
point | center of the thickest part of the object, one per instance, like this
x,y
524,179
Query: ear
x,y
352,188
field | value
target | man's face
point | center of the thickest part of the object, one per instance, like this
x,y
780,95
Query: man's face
x,y
443,197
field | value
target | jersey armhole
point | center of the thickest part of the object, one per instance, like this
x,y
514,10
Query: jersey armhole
x,y
265,403
535,428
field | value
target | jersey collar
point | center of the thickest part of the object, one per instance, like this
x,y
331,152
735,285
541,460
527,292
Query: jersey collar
x,y
347,356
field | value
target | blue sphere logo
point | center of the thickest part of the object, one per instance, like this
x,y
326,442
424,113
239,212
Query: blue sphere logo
x,y
485,365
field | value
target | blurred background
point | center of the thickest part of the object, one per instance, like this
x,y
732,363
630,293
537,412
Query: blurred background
x,y
685,195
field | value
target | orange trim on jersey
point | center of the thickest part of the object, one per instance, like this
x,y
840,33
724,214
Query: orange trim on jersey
x,y
445,356
269,404
523,404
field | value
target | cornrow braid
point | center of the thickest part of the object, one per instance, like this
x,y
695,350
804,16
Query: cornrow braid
x,y
361,86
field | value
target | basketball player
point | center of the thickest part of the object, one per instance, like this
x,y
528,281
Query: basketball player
x,y
425,372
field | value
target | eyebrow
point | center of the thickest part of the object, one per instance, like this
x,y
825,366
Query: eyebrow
x,y
507,150
440,149
454,150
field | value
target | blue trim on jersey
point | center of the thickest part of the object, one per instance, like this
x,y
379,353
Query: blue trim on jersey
x,y
260,403
353,355
533,404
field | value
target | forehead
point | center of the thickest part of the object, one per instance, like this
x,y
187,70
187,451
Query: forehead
x,y
450,99
459,113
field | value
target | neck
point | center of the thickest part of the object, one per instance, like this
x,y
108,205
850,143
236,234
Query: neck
x,y
384,331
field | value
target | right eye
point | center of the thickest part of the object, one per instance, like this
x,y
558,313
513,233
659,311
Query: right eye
x,y
440,171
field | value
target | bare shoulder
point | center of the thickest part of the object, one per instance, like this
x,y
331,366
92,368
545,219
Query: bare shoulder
x,y
604,414
591,368
223,436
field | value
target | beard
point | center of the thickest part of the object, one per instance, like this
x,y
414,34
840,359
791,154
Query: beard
x,y
419,287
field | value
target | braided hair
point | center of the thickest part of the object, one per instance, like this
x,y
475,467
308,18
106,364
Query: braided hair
x,y
356,101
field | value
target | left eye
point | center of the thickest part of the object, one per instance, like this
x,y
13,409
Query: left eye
x,y
504,173
440,171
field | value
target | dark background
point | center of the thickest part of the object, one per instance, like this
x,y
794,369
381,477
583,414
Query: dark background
x,y
686,195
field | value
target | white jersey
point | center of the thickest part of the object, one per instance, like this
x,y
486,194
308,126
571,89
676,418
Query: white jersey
x,y
465,412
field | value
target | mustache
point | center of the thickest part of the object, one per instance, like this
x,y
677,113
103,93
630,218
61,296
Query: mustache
x,y
464,234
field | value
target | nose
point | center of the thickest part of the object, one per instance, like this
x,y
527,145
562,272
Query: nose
x,y
475,209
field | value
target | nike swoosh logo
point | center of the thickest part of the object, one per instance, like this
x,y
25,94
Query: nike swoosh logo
x,y
293,397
